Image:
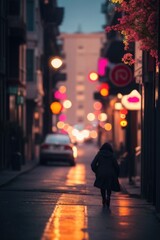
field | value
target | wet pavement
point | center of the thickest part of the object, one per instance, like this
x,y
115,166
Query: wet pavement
x,y
73,210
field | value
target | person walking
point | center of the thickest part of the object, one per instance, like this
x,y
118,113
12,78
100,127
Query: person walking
x,y
106,170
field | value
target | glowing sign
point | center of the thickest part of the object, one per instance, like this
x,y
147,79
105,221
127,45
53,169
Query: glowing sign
x,y
132,101
102,64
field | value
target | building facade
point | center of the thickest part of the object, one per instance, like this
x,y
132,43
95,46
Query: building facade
x,y
34,77
29,31
81,56
3,81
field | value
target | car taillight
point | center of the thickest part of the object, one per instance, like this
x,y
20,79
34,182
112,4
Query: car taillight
x,y
67,147
44,146
75,152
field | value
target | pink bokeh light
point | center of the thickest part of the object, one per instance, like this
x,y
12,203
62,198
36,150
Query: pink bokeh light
x,y
59,95
62,117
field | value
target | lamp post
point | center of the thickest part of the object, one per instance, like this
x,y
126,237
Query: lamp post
x,y
56,108
55,64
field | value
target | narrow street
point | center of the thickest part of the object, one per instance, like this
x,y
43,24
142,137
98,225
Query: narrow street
x,y
59,202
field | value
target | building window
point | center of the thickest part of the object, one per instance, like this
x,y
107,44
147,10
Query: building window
x,y
80,97
80,92
80,84
80,112
80,87
30,65
80,49
80,119
30,15
80,106
80,78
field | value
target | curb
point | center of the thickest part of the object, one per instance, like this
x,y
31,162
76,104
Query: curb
x,y
13,175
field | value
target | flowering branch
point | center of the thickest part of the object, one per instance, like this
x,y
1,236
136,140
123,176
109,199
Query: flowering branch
x,y
138,23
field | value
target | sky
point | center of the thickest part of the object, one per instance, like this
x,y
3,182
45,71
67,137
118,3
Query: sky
x,y
84,15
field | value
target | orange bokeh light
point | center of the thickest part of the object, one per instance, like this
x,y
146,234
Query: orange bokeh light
x,y
104,92
56,107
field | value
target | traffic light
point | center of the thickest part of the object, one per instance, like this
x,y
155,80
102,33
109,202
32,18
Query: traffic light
x,y
123,120
104,89
102,93
123,123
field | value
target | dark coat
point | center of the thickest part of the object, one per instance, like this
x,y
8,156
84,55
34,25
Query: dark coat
x,y
106,168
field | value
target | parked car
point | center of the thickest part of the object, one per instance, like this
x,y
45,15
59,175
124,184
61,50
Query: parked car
x,y
57,147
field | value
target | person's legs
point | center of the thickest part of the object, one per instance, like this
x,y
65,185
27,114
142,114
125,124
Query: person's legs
x,y
108,197
103,194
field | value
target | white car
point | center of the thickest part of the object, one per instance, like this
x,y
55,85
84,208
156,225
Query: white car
x,y
57,147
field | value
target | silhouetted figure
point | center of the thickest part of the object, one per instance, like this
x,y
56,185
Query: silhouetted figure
x,y
106,169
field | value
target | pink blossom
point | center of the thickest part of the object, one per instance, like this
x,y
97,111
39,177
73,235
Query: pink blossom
x,y
138,23
128,59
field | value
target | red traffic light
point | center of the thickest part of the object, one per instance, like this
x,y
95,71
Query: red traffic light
x,y
124,111
123,120
104,89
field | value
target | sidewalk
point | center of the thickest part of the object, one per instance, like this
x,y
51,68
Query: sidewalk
x,y
7,176
133,189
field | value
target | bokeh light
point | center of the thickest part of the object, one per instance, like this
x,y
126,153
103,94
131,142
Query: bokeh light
x,y
62,117
104,92
56,107
97,105
67,104
60,125
93,134
102,117
62,89
108,126
90,116
56,62
93,76
59,95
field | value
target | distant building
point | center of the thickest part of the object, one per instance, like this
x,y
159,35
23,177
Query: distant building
x,y
81,52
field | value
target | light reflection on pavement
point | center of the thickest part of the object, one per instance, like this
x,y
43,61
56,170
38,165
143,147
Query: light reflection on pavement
x,y
68,221
76,175
123,208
